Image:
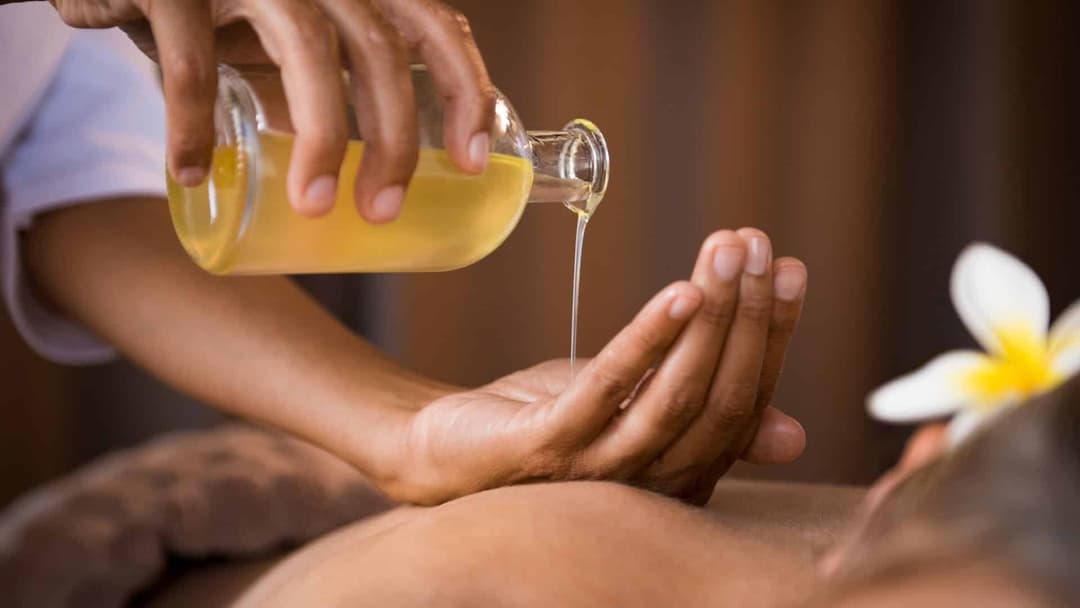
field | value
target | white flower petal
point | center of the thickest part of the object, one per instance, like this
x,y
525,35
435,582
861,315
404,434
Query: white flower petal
x,y
1067,361
1065,332
933,391
993,290
965,423
972,419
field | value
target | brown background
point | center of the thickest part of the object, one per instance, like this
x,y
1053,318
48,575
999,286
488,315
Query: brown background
x,y
871,139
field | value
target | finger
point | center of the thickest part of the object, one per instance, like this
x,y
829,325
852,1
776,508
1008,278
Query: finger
x,y
301,41
731,403
385,107
779,439
445,41
598,391
789,286
185,45
677,393
701,495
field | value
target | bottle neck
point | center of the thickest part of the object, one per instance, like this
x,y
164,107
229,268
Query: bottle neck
x,y
569,166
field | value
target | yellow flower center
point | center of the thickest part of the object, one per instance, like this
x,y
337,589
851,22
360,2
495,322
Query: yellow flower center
x,y
1023,368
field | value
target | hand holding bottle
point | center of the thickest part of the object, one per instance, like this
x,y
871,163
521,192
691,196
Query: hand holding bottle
x,y
720,340
310,41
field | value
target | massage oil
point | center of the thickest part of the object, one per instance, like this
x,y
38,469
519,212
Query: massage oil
x,y
449,219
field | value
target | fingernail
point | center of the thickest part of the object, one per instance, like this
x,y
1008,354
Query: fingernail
x,y
478,151
790,283
387,203
683,307
320,194
758,260
190,177
727,262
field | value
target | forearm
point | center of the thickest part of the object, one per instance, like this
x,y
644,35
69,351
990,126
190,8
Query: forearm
x,y
255,346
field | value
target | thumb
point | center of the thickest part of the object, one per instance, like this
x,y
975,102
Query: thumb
x,y
780,439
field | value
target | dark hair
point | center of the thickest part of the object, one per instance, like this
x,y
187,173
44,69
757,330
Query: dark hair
x,y
1009,495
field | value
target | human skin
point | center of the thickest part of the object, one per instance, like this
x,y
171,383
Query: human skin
x,y
312,41
590,544
577,544
260,348
981,583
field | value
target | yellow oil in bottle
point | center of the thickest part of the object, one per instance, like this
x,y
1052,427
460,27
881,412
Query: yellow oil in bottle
x,y
449,219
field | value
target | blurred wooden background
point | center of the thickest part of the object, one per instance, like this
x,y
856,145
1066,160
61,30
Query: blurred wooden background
x,y
871,139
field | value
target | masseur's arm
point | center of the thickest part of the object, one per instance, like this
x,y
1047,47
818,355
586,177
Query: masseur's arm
x,y
257,347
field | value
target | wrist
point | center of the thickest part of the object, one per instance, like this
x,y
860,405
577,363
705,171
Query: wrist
x,y
369,424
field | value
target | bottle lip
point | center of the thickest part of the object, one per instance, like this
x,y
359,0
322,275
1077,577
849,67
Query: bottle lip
x,y
598,148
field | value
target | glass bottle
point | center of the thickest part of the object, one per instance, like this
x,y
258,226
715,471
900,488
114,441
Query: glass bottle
x,y
240,222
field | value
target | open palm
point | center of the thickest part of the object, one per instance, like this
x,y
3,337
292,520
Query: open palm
x,y
477,430
668,404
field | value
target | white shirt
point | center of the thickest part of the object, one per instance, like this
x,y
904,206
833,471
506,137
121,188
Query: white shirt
x,y
81,118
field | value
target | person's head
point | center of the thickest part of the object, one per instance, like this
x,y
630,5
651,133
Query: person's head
x,y
994,522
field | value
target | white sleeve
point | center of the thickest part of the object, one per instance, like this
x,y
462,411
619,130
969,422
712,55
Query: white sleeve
x,y
97,132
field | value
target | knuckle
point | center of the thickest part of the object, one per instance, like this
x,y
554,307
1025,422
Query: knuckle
x,y
755,307
681,405
732,412
454,20
401,148
381,40
781,326
484,99
721,238
400,162
740,396
186,71
451,24
615,378
327,135
637,339
314,27
720,422
716,313
310,29
187,142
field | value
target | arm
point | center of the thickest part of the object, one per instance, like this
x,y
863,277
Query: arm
x,y
257,347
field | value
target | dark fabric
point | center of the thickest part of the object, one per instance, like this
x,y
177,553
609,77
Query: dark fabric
x,y
109,530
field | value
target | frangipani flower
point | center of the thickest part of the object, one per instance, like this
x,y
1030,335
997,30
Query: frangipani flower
x,y
1005,306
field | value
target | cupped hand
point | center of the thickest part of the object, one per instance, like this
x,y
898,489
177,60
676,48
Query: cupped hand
x,y
675,428
311,41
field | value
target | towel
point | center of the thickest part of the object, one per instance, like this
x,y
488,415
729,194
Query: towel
x,y
100,535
